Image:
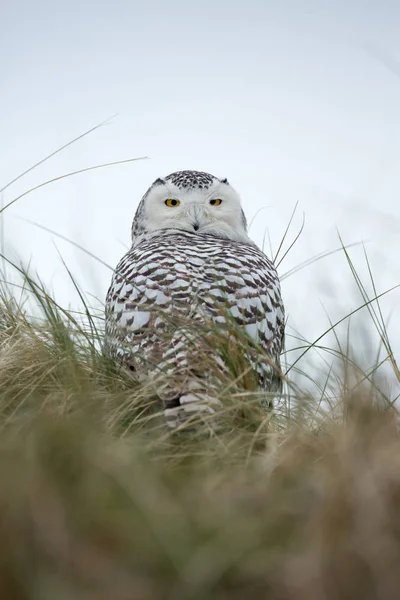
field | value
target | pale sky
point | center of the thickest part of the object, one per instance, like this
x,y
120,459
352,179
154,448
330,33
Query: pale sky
x,y
291,101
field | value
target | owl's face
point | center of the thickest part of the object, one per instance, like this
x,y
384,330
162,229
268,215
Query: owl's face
x,y
191,201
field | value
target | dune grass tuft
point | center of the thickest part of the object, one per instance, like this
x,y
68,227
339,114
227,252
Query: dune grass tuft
x,y
99,500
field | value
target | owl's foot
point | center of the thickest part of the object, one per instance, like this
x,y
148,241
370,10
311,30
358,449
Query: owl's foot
x,y
193,410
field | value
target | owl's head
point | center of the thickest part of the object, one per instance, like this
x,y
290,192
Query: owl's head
x,y
191,201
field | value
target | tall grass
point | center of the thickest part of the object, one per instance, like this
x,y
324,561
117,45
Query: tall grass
x,y
99,500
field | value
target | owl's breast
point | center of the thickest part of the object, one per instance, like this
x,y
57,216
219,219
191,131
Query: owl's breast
x,y
204,277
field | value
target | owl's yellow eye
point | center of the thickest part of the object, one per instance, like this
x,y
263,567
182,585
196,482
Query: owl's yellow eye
x,y
216,202
172,202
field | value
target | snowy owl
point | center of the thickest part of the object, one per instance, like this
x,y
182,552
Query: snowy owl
x,y
193,268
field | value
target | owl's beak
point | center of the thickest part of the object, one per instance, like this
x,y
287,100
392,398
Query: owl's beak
x,y
195,215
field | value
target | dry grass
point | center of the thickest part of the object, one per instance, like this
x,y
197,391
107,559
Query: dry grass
x,y
98,500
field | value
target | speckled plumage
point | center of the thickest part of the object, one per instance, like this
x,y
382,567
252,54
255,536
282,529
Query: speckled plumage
x,y
189,271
